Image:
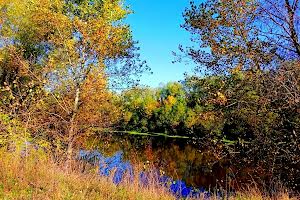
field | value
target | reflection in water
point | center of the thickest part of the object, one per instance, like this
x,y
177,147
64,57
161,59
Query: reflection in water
x,y
173,156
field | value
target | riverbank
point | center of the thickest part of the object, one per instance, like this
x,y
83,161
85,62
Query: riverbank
x,y
36,176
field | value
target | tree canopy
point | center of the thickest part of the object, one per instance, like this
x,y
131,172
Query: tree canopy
x,y
242,35
55,57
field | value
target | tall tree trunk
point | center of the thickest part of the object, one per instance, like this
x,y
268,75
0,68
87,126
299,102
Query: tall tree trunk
x,y
293,33
72,128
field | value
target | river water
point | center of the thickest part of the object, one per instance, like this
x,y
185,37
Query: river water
x,y
175,157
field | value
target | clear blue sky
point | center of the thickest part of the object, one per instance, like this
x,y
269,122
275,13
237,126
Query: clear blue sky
x,y
156,25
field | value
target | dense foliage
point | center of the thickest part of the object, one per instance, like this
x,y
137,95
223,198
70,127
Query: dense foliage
x,y
253,117
55,63
250,51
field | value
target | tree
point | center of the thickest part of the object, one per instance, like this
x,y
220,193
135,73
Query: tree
x,y
21,57
76,40
138,108
255,119
242,35
160,110
279,23
173,108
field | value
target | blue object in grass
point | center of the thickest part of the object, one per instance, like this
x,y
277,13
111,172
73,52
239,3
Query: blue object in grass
x,y
180,190
185,192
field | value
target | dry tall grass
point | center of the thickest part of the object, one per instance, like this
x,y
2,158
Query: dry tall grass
x,y
255,194
37,177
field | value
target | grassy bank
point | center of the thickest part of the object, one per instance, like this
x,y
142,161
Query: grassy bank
x,y
37,177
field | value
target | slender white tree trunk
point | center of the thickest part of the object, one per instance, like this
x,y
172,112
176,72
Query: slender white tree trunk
x,y
72,128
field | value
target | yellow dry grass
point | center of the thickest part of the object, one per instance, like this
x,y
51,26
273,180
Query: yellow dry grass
x,y
37,177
